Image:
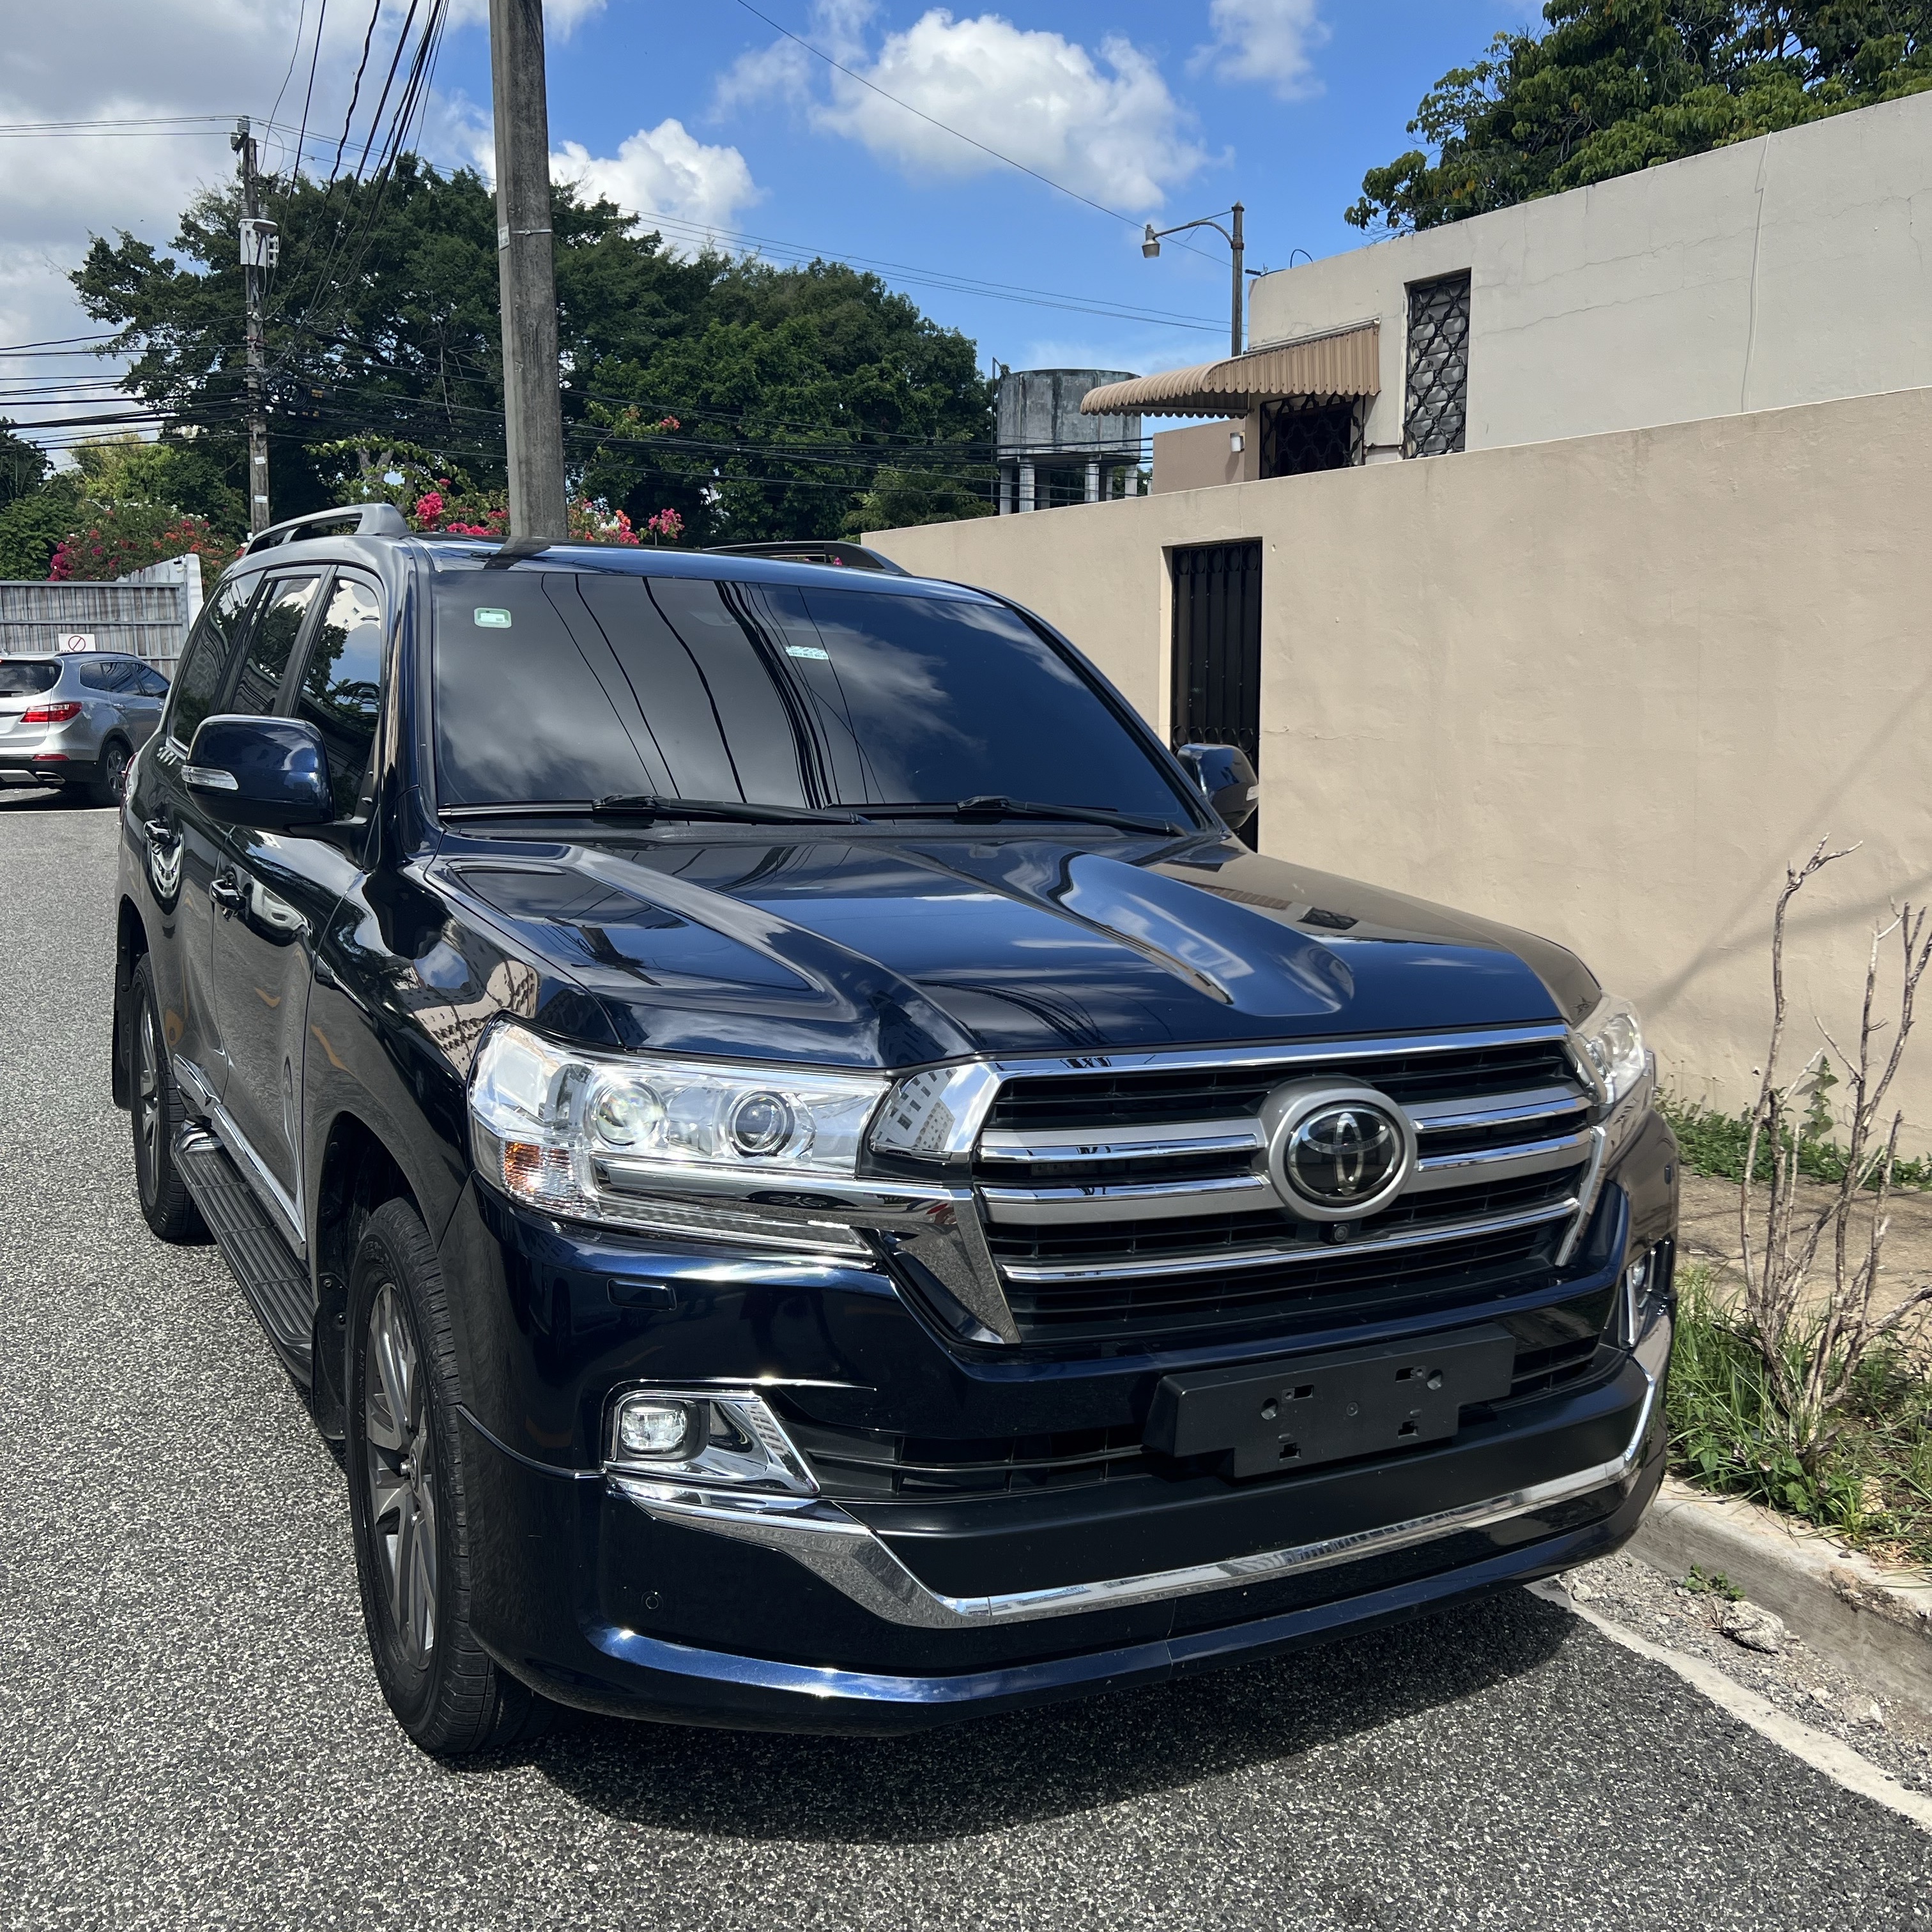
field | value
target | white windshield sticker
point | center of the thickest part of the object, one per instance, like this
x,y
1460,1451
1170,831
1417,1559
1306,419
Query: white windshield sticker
x,y
806,651
493,620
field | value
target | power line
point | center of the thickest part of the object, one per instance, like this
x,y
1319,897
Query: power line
x,y
852,74
940,279
315,55
355,91
295,55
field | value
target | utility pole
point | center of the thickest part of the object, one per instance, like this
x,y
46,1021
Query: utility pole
x,y
258,253
1234,342
527,272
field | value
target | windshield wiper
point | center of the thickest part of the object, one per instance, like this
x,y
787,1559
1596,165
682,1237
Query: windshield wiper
x,y
997,805
649,805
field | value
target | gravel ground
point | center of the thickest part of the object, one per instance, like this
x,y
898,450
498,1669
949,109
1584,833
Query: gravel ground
x,y
189,1734
1895,1736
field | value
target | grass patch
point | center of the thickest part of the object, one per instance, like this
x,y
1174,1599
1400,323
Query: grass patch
x,y
1714,1144
1872,1488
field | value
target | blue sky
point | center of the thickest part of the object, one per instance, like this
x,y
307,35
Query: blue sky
x,y
705,120
1292,148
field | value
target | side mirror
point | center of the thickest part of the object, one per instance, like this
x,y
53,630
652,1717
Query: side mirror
x,y
270,773
1226,774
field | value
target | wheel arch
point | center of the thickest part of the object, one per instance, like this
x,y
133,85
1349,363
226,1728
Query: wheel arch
x,y
358,1173
130,945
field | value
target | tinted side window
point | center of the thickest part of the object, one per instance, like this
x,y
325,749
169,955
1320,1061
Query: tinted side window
x,y
150,683
108,674
340,691
199,676
271,638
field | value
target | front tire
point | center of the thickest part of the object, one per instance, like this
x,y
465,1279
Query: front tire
x,y
158,1115
409,1500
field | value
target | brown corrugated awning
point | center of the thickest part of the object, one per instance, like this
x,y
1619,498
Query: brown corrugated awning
x,y
1345,362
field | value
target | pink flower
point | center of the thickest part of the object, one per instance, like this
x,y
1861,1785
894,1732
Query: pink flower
x,y
429,506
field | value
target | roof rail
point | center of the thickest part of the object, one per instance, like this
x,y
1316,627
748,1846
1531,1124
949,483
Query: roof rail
x,y
372,520
815,550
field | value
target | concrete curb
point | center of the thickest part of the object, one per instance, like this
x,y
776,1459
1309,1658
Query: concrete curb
x,y
1876,1623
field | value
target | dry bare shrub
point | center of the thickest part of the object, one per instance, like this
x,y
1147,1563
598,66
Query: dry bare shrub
x,y
1813,1344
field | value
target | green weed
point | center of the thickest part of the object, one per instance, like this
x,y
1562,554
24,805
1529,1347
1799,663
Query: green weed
x,y
1714,1144
1871,1486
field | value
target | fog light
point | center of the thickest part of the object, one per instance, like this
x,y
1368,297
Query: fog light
x,y
651,1426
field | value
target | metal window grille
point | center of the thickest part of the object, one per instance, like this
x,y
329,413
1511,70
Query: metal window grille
x,y
1436,406
1304,432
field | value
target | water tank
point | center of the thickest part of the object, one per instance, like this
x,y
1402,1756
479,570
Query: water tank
x,y
1048,453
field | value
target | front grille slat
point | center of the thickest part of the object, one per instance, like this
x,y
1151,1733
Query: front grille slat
x,y
1108,1245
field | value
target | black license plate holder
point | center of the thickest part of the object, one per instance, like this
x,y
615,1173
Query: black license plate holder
x,y
1309,1409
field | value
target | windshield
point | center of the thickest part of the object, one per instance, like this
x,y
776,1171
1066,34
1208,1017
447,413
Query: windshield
x,y
556,688
27,677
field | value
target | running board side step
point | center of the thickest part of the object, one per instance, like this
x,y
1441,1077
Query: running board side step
x,y
276,1284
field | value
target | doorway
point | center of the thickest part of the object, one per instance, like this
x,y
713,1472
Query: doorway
x,y
1217,650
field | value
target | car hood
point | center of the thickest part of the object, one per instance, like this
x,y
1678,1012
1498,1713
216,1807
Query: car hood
x,y
877,951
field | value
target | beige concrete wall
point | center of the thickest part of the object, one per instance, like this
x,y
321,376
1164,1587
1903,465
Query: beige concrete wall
x,y
1201,456
1606,688
1787,270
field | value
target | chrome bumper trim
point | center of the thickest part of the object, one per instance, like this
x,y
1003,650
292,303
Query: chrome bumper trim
x,y
845,1553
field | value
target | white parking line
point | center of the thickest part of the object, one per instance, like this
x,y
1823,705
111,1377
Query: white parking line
x,y
1823,1753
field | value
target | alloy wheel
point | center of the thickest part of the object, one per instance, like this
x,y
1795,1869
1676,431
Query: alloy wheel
x,y
401,1475
116,773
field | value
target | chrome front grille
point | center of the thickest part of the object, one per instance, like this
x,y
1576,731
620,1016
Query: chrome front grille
x,y
1120,1197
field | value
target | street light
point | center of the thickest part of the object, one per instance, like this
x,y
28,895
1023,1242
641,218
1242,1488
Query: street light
x,y
1150,248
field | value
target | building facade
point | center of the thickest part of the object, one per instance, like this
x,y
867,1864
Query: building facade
x,y
1792,269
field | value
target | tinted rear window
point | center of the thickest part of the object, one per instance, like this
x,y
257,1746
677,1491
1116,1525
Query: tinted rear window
x,y
555,687
23,677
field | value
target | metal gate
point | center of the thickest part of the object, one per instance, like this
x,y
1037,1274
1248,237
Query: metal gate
x,y
1217,649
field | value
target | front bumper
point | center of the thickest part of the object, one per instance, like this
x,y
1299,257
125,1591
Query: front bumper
x,y
807,1617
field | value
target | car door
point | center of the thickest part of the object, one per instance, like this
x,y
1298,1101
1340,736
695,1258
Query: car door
x,y
105,682
177,847
141,703
320,642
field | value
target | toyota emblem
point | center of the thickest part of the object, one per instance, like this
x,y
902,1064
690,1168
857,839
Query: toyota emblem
x,y
1336,1150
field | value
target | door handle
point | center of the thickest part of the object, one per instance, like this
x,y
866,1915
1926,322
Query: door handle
x,y
161,834
225,893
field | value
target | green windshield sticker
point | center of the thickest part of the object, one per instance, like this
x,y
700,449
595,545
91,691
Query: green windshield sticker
x,y
805,651
493,620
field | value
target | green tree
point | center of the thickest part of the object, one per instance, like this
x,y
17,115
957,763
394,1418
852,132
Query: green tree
x,y
900,498
23,465
1611,86
32,527
786,387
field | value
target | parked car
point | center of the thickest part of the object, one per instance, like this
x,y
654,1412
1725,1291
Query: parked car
x,y
818,1184
77,720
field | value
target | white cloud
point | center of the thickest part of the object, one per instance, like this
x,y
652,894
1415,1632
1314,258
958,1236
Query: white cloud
x,y
1106,126
664,170
1271,41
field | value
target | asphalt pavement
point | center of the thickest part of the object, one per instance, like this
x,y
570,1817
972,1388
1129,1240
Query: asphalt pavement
x,y
190,1734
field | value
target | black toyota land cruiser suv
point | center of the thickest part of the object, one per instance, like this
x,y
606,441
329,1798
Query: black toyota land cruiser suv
x,y
818,1184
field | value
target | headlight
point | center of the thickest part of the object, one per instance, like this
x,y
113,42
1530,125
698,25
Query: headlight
x,y
1611,1043
603,1137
